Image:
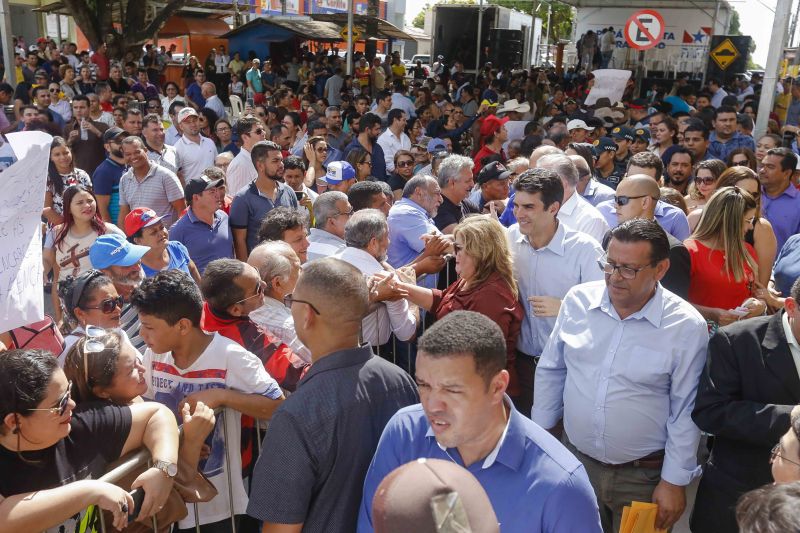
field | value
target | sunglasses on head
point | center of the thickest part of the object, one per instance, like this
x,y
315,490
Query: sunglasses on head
x,y
93,344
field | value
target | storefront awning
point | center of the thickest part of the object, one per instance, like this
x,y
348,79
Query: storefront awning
x,y
386,30
312,30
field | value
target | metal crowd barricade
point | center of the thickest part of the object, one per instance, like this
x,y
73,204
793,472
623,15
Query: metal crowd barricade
x,y
142,457
421,326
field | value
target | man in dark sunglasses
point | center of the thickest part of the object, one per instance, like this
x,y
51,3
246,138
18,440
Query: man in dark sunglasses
x,y
637,197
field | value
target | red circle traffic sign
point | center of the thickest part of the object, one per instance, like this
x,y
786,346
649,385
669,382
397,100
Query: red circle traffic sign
x,y
644,29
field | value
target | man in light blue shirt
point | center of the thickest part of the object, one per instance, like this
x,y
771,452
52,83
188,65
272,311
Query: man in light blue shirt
x,y
410,220
549,259
622,369
533,483
671,218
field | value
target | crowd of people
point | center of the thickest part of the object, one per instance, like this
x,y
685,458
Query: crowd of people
x,y
596,306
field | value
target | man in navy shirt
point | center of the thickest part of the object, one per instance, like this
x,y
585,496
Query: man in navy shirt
x,y
105,179
193,91
533,482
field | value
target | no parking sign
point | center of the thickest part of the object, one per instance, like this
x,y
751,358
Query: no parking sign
x,y
644,29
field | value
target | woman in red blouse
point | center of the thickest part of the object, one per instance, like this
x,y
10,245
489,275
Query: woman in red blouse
x,y
485,283
724,267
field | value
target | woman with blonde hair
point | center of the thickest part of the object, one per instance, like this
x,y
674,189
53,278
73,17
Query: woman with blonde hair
x,y
724,268
485,283
761,236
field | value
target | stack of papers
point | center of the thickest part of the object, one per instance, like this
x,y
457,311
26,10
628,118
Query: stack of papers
x,y
640,517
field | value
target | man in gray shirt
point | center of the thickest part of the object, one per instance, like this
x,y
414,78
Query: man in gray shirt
x,y
324,436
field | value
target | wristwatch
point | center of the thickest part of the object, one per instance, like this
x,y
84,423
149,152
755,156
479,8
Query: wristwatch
x,y
169,469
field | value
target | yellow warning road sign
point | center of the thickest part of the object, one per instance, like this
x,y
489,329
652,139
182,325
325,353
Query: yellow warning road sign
x,y
356,34
724,54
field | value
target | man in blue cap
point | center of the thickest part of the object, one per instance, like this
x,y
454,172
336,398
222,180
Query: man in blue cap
x,y
605,169
340,176
623,137
121,261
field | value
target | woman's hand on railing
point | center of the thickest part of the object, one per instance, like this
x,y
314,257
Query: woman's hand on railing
x,y
156,486
113,499
199,423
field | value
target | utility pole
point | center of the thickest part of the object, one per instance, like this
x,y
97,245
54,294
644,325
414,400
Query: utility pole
x,y
7,43
480,30
349,37
776,44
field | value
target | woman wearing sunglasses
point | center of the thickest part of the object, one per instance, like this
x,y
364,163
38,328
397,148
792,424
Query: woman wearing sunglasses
x,y
90,298
706,173
66,247
315,152
361,161
723,274
50,453
103,367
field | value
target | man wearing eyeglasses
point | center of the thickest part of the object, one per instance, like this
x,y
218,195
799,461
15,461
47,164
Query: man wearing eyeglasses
x,y
621,370
637,197
746,395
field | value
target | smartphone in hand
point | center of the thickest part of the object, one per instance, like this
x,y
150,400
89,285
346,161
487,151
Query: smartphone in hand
x,y
138,498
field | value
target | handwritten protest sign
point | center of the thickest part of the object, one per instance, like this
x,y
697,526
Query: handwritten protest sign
x,y
23,186
609,83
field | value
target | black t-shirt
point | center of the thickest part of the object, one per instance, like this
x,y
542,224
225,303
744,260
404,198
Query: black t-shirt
x,y
450,213
98,433
396,182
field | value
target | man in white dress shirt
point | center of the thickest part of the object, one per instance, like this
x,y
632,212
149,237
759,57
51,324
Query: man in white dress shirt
x,y
195,152
367,237
241,171
575,212
213,102
394,138
621,369
549,259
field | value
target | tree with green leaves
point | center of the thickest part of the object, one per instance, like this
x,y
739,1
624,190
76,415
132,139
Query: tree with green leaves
x,y
99,21
419,20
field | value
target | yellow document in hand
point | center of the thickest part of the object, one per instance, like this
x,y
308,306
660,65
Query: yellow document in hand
x,y
639,517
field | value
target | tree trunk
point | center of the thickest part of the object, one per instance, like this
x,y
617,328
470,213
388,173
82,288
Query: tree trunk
x,y
96,21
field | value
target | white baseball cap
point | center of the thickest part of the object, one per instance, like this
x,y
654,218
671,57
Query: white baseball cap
x,y
578,124
185,113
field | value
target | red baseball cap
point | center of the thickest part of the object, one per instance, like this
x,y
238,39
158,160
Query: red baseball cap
x,y
141,217
492,124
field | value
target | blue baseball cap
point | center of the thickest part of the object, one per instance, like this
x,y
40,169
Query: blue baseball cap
x,y
339,171
112,249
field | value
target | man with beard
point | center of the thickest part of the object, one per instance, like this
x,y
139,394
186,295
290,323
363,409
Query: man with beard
x,y
367,139
335,137
157,151
195,152
121,261
253,202
105,179
679,169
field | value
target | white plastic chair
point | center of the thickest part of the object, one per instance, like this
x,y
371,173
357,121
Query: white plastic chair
x,y
237,108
